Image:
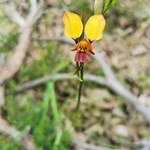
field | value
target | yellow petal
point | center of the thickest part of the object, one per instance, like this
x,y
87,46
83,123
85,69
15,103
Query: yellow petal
x,y
73,25
94,27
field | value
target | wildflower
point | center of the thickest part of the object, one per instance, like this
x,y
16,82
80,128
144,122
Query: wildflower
x,y
73,28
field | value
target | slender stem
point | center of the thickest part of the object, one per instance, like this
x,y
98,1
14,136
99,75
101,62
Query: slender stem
x,y
77,66
80,86
81,65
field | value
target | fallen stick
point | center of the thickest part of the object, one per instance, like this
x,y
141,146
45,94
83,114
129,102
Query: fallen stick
x,y
87,146
15,60
56,77
2,100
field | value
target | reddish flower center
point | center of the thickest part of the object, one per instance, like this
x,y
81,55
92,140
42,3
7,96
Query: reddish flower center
x,y
82,47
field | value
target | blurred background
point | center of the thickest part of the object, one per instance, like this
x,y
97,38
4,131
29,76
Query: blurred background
x,y
42,116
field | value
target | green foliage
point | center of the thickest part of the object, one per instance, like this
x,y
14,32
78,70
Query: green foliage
x,y
101,6
13,145
77,72
45,125
8,41
107,4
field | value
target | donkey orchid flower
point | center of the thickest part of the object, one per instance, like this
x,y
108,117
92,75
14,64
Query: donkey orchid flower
x,y
73,28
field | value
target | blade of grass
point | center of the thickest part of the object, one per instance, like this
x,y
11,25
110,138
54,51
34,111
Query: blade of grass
x,y
46,101
55,113
53,101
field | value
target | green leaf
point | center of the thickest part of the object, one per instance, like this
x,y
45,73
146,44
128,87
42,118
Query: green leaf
x,y
76,72
107,4
79,77
113,2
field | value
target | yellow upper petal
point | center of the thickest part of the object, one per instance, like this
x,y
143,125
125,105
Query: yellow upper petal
x,y
94,27
73,25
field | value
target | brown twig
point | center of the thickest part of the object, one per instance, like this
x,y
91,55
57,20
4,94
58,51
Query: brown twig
x,y
4,1
143,144
56,77
2,100
86,146
15,60
13,14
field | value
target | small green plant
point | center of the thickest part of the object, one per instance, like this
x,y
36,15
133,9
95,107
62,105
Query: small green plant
x,y
8,41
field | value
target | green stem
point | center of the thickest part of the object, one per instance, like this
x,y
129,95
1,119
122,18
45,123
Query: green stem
x,y
80,87
81,65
